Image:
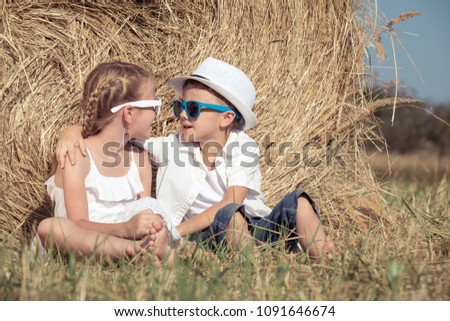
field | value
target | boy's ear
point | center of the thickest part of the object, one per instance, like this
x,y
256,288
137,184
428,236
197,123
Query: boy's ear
x,y
227,118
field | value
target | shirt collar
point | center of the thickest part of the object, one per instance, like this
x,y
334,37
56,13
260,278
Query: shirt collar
x,y
232,139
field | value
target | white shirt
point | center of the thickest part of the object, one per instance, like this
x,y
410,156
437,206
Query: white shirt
x,y
211,192
181,175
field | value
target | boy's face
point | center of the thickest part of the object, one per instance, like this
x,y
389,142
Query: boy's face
x,y
207,127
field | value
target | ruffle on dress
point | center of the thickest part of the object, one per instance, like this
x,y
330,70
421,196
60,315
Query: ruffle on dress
x,y
114,189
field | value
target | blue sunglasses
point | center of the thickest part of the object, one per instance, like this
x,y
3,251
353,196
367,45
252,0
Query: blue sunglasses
x,y
193,107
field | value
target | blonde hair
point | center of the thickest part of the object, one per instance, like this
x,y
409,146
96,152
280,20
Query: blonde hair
x,y
237,124
107,85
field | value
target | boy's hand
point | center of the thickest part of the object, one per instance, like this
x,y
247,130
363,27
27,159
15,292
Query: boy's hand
x,y
70,139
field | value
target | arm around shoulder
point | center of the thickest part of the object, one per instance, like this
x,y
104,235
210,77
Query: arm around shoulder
x,y
70,139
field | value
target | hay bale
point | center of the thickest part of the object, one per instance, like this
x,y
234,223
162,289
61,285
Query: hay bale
x,y
305,58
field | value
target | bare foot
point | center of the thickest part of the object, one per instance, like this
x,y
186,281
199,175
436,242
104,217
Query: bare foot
x,y
330,248
161,245
141,252
130,252
330,251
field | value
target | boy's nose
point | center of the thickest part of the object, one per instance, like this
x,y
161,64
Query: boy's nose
x,y
183,114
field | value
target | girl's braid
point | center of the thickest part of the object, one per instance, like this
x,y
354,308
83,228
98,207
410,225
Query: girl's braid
x,y
96,111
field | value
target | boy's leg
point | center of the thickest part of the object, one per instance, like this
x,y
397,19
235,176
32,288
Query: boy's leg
x,y
241,230
309,228
229,227
238,234
294,220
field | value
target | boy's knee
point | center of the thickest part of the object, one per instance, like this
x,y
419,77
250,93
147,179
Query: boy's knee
x,y
228,211
227,216
237,221
296,193
303,201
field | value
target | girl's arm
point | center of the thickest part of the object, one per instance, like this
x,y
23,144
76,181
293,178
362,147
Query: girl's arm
x,y
234,194
73,182
70,140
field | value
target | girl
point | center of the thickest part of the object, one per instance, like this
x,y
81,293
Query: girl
x,y
208,174
102,203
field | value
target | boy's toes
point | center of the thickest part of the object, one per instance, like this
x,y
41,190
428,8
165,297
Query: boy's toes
x,y
329,246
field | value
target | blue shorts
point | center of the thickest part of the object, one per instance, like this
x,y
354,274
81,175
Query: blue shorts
x,y
278,225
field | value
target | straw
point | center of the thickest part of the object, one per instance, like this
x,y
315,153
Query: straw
x,y
304,57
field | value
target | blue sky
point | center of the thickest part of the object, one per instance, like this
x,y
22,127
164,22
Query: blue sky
x,y
427,40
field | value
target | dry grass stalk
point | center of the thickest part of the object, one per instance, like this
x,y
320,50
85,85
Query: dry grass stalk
x,y
381,51
386,102
402,17
305,58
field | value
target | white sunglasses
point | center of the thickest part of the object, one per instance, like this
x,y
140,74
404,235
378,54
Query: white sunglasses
x,y
156,104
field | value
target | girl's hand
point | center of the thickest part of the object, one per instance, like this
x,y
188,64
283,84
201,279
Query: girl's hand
x,y
70,139
140,225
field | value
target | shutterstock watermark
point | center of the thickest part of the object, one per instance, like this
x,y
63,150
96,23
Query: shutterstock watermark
x,y
311,154
248,154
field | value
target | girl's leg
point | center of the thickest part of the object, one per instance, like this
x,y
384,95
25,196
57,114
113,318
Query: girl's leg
x,y
66,236
159,234
160,242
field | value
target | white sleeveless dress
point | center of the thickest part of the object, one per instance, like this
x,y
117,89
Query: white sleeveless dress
x,y
110,199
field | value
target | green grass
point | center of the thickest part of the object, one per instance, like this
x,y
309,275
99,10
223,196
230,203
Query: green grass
x,y
404,257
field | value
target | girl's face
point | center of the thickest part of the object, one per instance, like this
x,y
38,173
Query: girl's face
x,y
141,127
207,127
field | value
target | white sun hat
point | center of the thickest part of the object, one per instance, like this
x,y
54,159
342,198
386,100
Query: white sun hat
x,y
228,81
